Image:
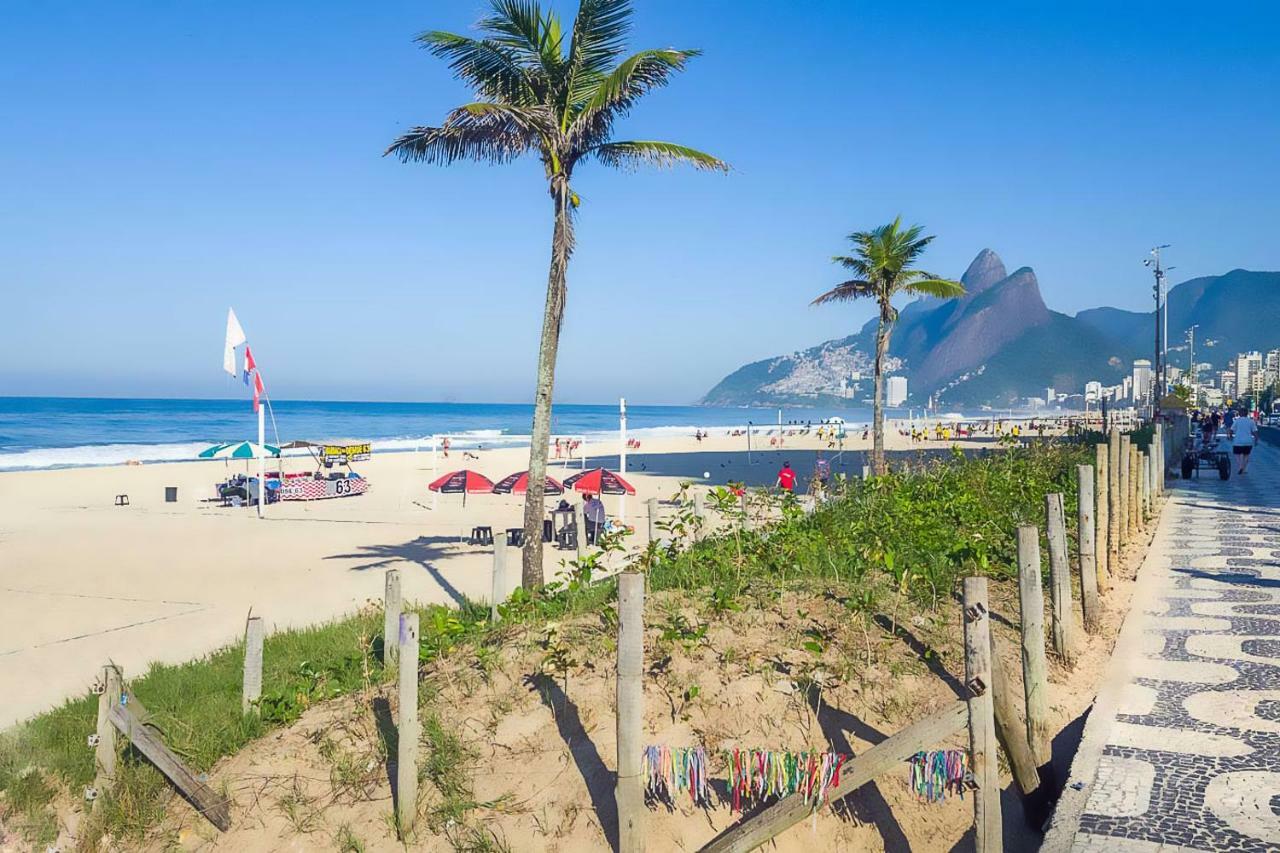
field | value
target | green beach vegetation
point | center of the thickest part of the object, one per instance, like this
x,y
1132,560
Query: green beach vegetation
x,y
882,268
885,548
553,92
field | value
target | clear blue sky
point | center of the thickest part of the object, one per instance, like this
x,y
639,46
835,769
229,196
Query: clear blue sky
x,y
160,161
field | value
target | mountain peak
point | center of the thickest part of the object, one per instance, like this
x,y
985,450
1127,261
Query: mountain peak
x,y
985,270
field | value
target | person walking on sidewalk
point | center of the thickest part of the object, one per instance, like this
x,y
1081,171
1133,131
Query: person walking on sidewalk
x,y
1244,435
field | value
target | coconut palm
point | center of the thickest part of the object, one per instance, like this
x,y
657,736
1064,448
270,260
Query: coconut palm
x,y
542,91
881,264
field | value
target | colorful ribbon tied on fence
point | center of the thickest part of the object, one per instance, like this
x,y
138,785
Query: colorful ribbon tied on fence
x,y
938,772
669,771
757,773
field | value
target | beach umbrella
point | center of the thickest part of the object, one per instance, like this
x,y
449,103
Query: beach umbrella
x,y
239,450
462,482
599,481
518,484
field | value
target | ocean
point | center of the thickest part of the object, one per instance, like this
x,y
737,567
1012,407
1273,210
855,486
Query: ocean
x,y
59,432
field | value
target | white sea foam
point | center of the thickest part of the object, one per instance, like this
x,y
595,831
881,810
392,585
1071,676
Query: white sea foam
x,y
92,455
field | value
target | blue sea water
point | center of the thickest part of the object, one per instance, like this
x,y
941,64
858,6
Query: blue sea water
x,y
55,432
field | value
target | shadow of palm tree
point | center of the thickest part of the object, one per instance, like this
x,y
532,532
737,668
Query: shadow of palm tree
x,y
599,778
424,551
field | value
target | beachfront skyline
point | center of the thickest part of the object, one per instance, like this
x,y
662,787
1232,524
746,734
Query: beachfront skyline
x,y
192,159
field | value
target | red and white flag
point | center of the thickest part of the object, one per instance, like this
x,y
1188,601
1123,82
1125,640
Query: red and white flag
x,y
258,390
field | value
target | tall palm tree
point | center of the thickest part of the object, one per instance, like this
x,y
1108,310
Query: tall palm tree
x,y
542,91
881,264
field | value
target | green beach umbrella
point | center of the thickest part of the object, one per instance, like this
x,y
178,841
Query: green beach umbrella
x,y
239,450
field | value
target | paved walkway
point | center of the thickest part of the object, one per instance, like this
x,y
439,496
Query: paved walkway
x,y
1182,751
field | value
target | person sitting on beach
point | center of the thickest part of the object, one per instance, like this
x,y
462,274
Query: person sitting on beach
x,y
786,478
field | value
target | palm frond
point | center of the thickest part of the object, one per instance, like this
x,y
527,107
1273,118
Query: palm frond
x,y
633,154
932,286
486,132
523,27
616,92
847,291
493,70
599,36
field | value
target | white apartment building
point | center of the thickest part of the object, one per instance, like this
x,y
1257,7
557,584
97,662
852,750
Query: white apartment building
x,y
896,391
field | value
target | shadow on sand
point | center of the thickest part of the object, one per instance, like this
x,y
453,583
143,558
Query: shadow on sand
x,y
423,551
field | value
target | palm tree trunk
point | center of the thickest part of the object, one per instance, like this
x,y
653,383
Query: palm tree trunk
x,y
540,438
877,403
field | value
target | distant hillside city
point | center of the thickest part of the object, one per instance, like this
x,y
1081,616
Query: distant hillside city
x,y
1000,346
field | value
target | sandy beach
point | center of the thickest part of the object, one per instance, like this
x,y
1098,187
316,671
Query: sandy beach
x,y
86,581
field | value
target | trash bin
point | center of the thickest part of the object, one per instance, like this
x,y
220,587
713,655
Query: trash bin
x,y
171,494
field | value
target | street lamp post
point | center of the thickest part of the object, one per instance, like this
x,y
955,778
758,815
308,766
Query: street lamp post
x,y
1162,328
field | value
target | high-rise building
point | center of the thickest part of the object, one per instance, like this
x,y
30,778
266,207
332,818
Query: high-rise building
x,y
1092,392
896,391
1142,376
1248,365
1227,383
1271,368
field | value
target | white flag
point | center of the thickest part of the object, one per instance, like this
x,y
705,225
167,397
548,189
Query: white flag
x,y
235,337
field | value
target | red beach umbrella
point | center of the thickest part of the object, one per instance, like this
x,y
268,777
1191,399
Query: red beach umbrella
x,y
462,482
518,484
600,481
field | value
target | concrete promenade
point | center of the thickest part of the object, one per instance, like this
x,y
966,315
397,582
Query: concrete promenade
x,y
1182,748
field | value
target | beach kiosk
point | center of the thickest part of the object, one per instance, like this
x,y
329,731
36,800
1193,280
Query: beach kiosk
x,y
333,476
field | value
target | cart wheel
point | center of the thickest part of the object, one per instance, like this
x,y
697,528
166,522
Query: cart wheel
x,y
1188,465
1224,467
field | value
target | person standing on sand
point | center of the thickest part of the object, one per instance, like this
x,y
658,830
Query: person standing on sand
x,y
593,509
786,478
1244,435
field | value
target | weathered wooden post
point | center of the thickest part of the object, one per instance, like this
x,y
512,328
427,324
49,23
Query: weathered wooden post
x,y
1113,503
1135,477
580,529
1125,489
1034,669
652,505
409,729
699,518
982,725
105,748
391,619
1102,520
1063,622
498,584
1087,548
251,686
1011,732
1149,468
746,511
629,791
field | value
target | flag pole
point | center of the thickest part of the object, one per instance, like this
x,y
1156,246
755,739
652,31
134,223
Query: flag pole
x,y
262,460
622,459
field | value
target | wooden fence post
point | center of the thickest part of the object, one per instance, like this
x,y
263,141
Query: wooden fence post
x,y
1102,521
1087,547
1010,730
746,511
391,619
1034,677
652,505
409,730
1125,528
498,585
251,687
1149,483
1063,612
982,725
629,792
1135,512
105,750
699,517
1113,503
580,528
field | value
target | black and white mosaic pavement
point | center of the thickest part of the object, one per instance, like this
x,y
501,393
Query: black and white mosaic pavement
x,y
1192,761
